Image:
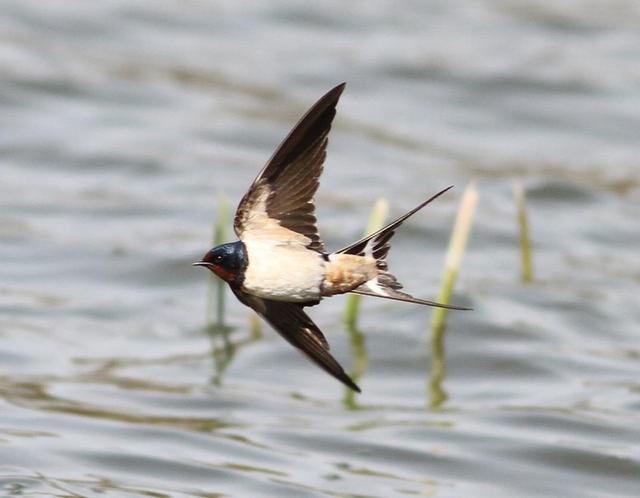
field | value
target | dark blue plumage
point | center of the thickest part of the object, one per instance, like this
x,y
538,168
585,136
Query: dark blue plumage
x,y
228,261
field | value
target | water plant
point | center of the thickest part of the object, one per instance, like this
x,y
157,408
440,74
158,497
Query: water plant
x,y
357,342
526,265
376,222
453,261
216,288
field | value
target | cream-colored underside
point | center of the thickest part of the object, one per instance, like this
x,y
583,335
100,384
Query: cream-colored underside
x,y
289,272
280,267
283,271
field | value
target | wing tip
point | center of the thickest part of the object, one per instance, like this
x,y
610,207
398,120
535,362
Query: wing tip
x,y
449,306
339,87
334,94
348,381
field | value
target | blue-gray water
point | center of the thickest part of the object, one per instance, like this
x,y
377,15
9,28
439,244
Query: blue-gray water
x,y
121,121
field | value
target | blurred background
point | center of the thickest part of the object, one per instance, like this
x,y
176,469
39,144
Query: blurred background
x,y
122,123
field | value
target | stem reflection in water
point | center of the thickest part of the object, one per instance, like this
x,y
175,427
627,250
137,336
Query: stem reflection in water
x,y
455,252
357,339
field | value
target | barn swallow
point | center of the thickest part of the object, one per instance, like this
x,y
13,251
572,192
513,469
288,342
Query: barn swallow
x,y
279,265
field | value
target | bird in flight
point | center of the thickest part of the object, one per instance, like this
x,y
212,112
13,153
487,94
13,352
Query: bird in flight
x,y
280,266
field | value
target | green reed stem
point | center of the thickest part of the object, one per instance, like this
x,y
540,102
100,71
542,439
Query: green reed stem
x,y
457,245
526,266
360,363
255,327
437,394
376,222
357,339
216,287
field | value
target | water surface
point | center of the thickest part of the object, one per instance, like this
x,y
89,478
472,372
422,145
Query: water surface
x,y
123,121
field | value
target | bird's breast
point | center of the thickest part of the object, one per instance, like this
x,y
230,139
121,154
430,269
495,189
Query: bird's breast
x,y
283,271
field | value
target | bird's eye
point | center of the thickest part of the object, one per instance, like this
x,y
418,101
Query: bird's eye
x,y
218,259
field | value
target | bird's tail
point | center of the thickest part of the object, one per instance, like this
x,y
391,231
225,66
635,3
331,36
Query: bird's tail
x,y
377,246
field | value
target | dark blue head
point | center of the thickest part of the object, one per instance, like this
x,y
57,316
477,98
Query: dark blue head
x,y
228,261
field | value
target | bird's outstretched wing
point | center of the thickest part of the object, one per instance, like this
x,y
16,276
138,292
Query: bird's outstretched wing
x,y
292,323
279,204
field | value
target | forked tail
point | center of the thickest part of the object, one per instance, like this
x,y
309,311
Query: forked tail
x,y
377,246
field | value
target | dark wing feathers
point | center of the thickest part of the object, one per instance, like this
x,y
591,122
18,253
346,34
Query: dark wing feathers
x,y
294,325
291,176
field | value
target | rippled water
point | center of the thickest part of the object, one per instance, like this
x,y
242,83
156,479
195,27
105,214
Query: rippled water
x,y
120,122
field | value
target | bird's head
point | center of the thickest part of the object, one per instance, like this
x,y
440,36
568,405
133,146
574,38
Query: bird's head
x,y
227,261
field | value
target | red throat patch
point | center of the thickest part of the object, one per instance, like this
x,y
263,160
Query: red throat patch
x,y
223,273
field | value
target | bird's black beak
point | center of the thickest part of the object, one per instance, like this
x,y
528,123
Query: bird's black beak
x,y
200,263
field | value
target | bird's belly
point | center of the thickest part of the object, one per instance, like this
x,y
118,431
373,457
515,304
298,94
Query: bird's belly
x,y
345,272
283,272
